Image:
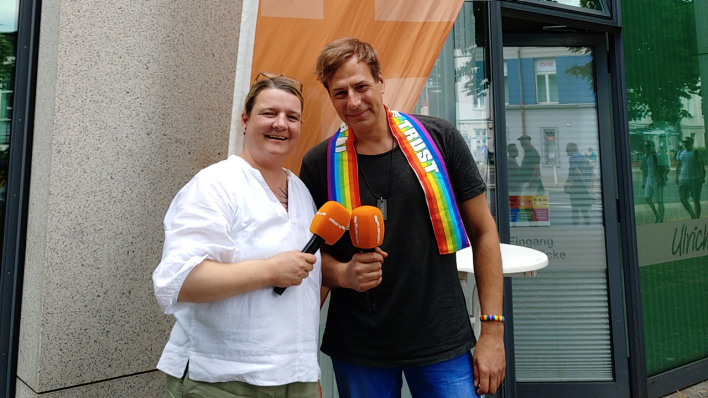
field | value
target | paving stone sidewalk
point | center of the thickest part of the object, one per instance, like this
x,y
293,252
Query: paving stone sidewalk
x,y
698,391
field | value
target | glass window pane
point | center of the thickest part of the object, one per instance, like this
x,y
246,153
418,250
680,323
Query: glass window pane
x,y
430,101
541,93
666,54
479,103
468,94
597,5
555,206
506,84
552,88
590,4
8,51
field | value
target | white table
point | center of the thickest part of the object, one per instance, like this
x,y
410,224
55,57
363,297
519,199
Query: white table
x,y
516,261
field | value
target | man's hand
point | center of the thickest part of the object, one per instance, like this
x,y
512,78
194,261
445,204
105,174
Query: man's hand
x,y
364,270
489,360
291,267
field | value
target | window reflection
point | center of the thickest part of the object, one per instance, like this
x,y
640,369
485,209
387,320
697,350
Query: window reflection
x,y
8,49
555,191
586,4
546,86
666,69
590,4
555,206
461,92
552,134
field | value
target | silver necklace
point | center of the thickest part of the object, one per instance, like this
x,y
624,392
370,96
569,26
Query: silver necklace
x,y
381,201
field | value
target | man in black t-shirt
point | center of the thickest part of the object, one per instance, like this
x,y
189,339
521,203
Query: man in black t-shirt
x,y
420,325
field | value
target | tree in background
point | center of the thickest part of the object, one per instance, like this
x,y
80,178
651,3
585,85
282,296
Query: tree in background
x,y
8,46
591,4
661,60
8,43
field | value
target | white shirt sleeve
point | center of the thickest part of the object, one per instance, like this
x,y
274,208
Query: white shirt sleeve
x,y
197,226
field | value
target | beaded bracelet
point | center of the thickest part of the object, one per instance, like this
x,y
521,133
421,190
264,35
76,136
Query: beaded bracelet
x,y
495,318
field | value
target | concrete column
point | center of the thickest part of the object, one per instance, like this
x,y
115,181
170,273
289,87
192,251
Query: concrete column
x,y
133,98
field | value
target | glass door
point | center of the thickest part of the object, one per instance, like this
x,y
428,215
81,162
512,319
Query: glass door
x,y
568,321
668,145
8,54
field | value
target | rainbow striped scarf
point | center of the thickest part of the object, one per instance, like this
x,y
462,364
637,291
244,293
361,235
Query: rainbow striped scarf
x,y
425,159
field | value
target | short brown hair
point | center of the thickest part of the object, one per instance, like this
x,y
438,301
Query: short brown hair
x,y
279,83
335,53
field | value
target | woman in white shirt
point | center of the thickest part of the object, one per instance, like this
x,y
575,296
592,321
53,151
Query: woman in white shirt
x,y
232,234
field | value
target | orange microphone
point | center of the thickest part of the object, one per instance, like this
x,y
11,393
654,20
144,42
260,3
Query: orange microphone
x,y
366,229
329,224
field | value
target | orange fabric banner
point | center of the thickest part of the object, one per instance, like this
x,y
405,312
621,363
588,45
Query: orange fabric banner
x,y
407,34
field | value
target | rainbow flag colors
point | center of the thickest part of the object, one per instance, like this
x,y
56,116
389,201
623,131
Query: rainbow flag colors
x,y
342,174
427,163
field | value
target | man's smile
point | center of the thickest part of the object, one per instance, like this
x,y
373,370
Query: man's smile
x,y
358,115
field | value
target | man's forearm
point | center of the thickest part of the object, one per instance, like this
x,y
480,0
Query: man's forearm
x,y
482,232
331,270
488,273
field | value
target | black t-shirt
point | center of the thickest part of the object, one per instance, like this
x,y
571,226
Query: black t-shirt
x,y
421,317
530,161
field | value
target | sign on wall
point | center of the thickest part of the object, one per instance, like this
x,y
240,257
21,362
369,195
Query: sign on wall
x,y
566,247
529,211
672,241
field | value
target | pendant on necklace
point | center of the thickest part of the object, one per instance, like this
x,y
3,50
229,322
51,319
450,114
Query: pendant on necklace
x,y
382,205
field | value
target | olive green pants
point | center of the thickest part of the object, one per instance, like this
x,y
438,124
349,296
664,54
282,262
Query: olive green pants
x,y
186,388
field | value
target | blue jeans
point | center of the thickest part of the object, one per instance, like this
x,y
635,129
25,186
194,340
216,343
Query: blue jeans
x,y
448,379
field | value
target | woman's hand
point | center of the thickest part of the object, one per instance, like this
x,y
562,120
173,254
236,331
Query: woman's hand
x,y
290,268
212,281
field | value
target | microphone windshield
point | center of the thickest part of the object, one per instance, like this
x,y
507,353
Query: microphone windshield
x,y
330,222
366,227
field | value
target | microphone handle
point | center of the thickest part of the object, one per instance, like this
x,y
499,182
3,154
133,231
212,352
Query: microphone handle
x,y
311,248
314,244
370,294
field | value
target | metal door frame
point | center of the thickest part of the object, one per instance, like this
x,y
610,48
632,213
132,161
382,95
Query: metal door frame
x,y
13,253
621,384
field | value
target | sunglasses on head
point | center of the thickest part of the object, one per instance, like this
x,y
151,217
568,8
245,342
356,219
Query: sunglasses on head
x,y
268,75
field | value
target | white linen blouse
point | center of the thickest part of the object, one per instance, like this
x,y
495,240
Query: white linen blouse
x,y
227,213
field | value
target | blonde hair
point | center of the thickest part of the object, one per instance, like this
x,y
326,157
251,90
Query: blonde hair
x,y
279,83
